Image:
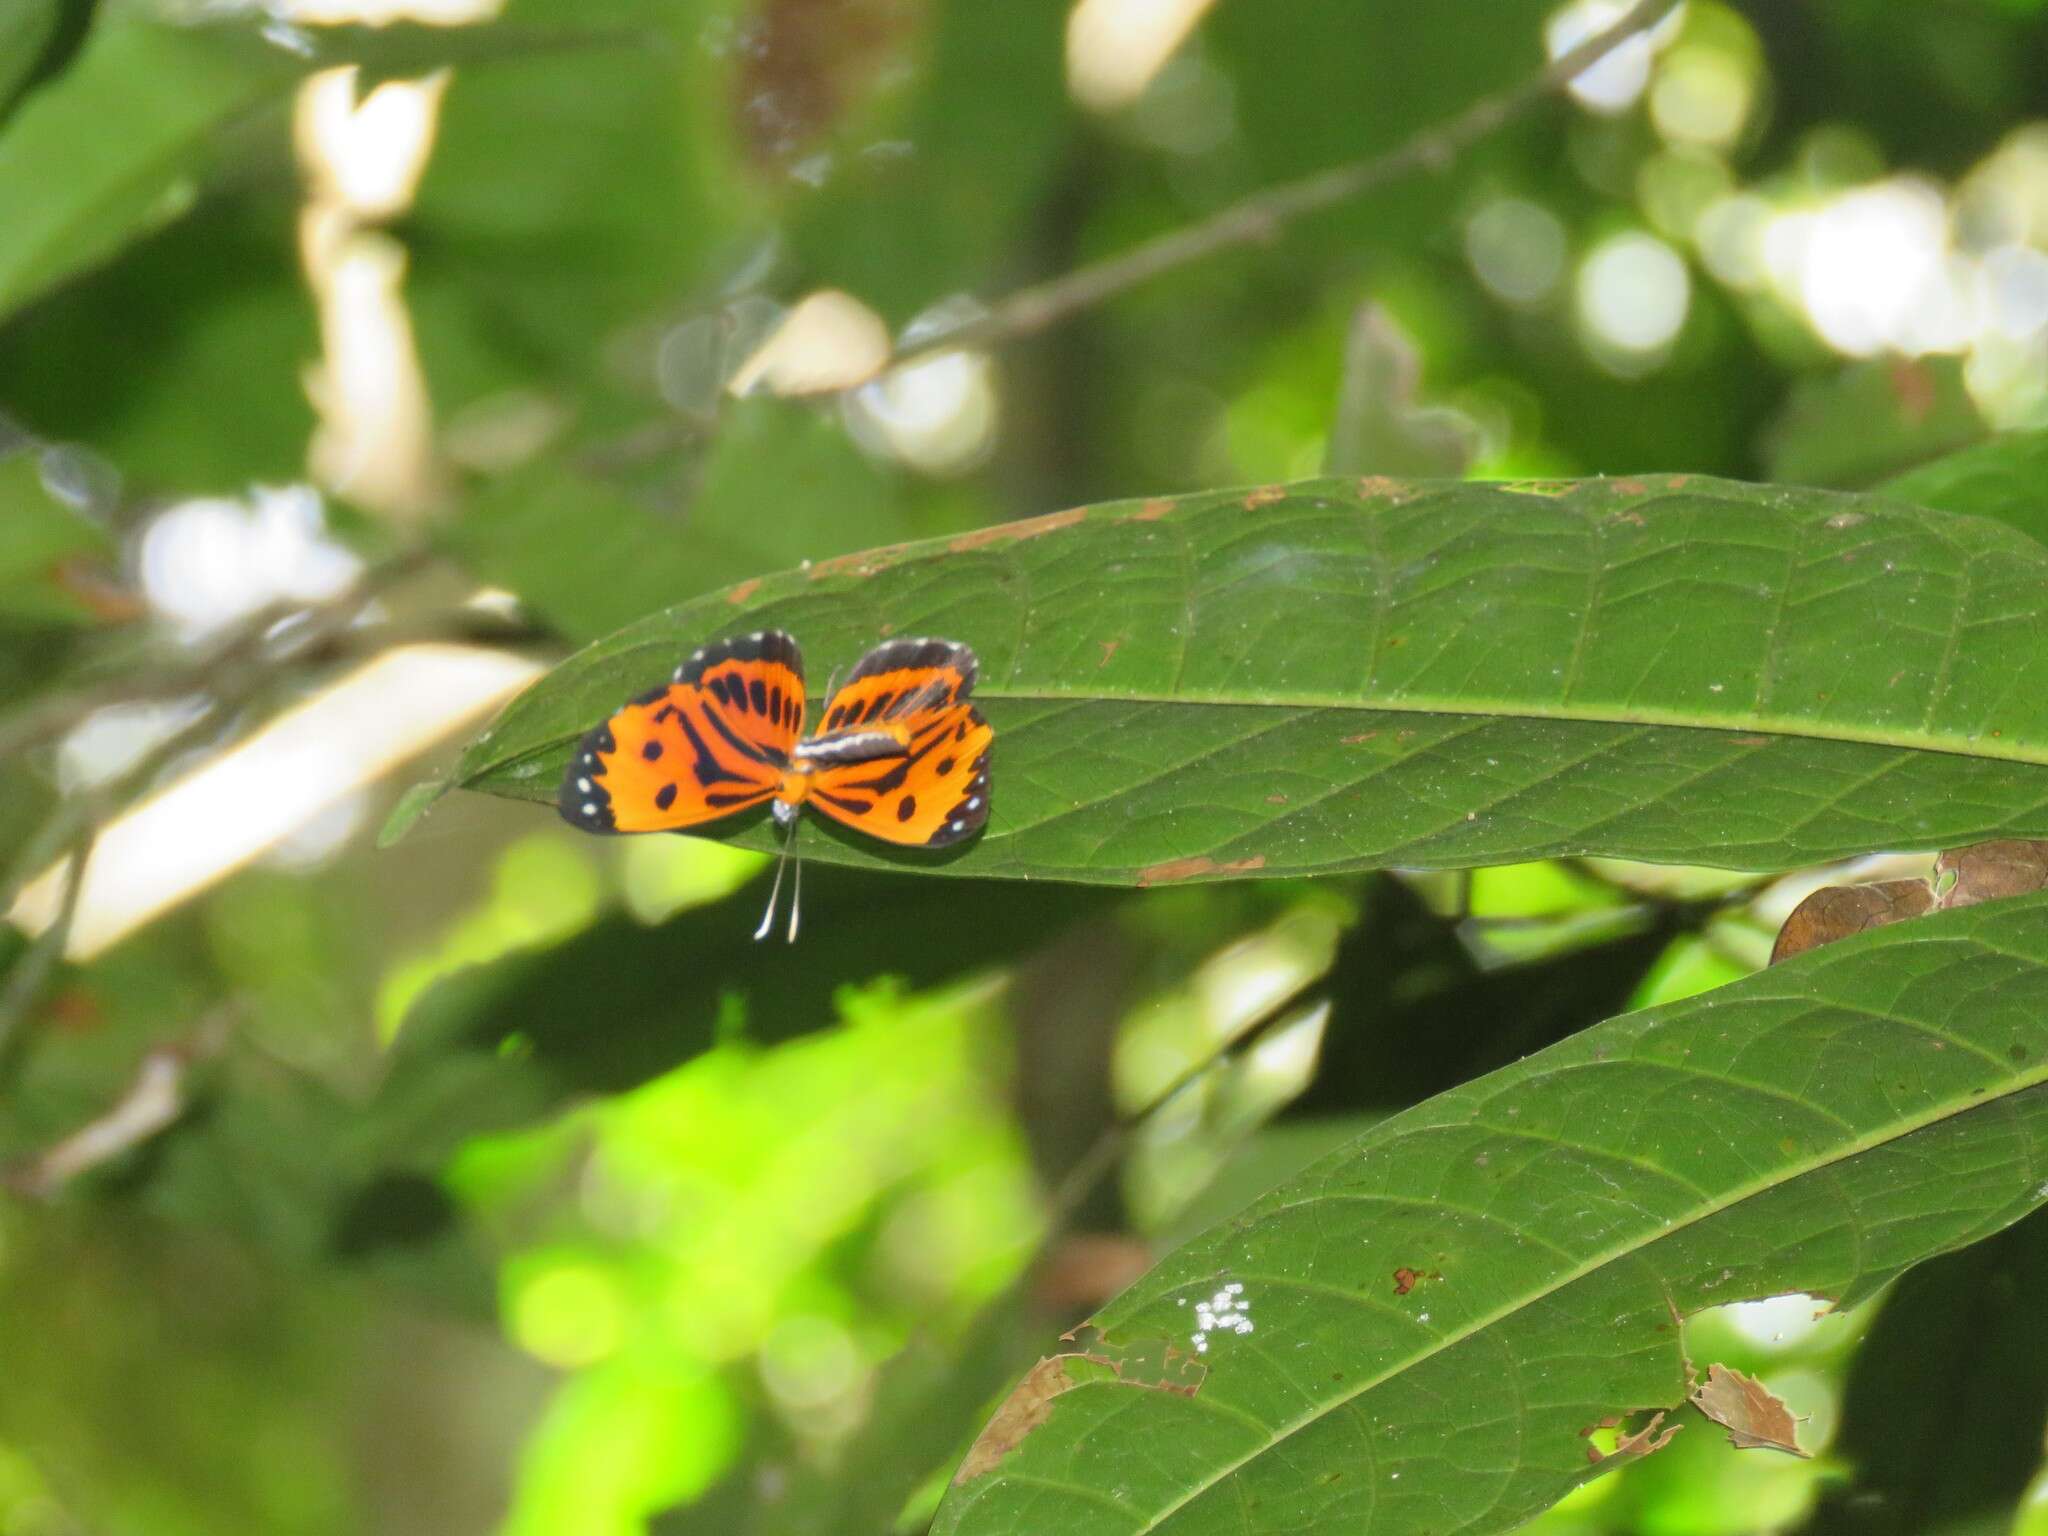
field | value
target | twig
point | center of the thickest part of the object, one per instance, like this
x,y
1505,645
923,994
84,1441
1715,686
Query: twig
x,y
244,647
25,981
1260,217
151,1103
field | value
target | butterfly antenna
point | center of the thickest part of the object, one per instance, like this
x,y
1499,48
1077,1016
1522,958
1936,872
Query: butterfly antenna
x,y
796,886
775,890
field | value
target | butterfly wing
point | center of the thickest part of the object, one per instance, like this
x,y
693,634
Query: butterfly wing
x,y
900,676
936,793
759,679
711,743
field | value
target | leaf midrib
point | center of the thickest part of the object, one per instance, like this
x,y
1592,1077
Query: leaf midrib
x,y
1778,727
1935,1115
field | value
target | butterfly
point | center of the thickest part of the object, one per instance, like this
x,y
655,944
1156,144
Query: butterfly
x,y
899,753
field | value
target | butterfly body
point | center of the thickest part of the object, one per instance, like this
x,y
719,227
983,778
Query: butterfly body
x,y
899,753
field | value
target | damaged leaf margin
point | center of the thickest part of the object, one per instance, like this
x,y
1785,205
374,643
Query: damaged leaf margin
x,y
1153,1364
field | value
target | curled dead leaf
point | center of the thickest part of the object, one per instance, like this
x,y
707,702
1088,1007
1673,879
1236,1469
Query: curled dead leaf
x,y
1962,878
1836,911
2010,866
1755,1418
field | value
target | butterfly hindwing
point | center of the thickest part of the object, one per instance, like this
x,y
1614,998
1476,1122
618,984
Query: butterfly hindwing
x,y
934,795
709,744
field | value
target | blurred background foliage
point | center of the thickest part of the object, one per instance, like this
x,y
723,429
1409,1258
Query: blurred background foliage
x,y
496,1182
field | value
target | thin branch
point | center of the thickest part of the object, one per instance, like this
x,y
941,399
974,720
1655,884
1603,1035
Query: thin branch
x,y
246,651
152,1102
29,974
1261,217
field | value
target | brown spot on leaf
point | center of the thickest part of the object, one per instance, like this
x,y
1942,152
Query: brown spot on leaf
x,y
1109,649
1752,741
1380,485
1539,487
1352,741
1630,516
1836,911
743,591
1405,1279
1024,528
1677,482
1628,486
1264,496
1755,1419
1154,509
863,562
1153,1365
1276,799
1196,867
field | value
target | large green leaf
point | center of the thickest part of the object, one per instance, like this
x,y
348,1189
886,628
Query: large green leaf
x,y
1435,1318
1338,675
2003,478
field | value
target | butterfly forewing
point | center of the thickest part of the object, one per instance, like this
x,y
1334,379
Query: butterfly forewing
x,y
709,744
899,677
759,679
936,791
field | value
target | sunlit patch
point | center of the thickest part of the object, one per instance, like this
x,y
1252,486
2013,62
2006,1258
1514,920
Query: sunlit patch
x,y
937,415
1729,235
568,1312
667,875
1780,1322
206,563
110,741
810,1366
256,795
1115,47
1703,95
1633,293
1517,249
1873,270
1614,82
830,341
542,890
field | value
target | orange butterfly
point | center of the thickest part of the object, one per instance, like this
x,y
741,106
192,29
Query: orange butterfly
x,y
900,755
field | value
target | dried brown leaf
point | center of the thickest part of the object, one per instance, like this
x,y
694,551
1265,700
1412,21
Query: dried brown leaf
x,y
2008,867
1754,1417
1836,911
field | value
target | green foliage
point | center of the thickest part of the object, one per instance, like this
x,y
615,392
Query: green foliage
x,y
1308,979
1651,1166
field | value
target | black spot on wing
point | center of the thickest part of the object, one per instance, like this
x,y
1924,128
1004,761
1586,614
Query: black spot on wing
x,y
664,797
